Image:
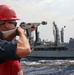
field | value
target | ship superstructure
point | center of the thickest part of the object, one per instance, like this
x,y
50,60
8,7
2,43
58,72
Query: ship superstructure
x,y
56,49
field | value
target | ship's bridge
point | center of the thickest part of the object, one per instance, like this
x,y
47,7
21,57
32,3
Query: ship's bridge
x,y
71,44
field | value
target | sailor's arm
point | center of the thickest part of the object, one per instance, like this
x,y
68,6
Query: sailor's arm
x,y
23,46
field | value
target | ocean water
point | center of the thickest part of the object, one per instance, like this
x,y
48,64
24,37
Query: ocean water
x,y
48,67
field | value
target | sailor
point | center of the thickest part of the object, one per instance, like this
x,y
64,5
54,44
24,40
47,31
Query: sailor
x,y
12,51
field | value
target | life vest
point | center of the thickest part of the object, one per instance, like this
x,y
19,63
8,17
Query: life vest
x,y
11,67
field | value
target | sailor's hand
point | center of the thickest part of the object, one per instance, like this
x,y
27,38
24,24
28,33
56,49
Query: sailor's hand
x,y
20,30
34,27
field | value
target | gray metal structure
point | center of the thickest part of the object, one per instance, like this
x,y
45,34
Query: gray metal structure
x,y
54,49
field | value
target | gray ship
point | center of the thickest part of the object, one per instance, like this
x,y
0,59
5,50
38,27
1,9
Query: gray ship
x,y
56,49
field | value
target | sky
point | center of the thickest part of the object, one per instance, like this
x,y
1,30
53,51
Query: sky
x,y
36,11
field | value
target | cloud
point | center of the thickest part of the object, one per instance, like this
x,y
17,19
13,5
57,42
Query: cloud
x,y
60,11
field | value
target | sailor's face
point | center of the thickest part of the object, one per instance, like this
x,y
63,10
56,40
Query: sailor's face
x,y
11,25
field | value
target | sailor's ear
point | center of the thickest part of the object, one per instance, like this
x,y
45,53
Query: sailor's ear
x,y
6,25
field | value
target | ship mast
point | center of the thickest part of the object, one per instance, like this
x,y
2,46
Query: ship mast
x,y
62,34
56,34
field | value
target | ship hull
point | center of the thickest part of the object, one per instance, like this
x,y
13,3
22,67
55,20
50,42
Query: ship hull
x,y
54,54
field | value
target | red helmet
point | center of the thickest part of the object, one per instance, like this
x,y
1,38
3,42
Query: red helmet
x,y
7,13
